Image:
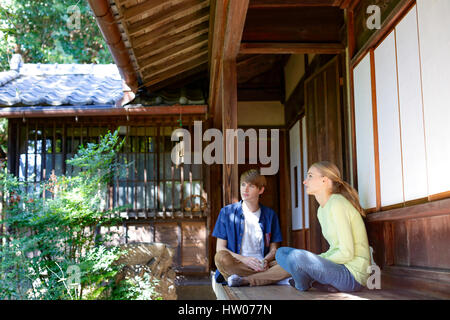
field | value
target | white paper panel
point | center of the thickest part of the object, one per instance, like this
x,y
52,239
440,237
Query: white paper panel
x,y
389,145
305,171
411,112
364,134
434,35
294,144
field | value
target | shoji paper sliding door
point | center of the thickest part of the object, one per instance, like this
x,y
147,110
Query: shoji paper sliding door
x,y
389,144
434,37
364,134
305,171
298,168
411,110
296,176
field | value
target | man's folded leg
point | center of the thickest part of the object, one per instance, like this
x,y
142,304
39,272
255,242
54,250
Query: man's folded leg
x,y
274,274
228,265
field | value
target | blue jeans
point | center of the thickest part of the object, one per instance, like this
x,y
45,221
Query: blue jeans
x,y
307,267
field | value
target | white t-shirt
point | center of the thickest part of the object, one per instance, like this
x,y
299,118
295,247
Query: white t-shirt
x,y
253,235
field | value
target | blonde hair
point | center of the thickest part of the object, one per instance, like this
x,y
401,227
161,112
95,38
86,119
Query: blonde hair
x,y
253,176
339,186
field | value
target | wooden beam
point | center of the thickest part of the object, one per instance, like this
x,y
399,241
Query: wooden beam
x,y
237,12
425,210
174,27
346,4
162,18
180,79
177,70
294,25
217,53
172,63
254,66
141,8
170,41
212,18
293,3
174,52
387,25
107,110
229,20
290,48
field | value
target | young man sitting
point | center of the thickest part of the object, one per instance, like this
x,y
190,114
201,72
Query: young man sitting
x,y
248,235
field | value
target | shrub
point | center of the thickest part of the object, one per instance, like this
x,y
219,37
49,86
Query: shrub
x,y
52,248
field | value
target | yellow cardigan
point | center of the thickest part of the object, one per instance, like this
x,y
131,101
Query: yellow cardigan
x,y
344,229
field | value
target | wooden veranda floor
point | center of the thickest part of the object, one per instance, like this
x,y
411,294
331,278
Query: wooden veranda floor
x,y
286,292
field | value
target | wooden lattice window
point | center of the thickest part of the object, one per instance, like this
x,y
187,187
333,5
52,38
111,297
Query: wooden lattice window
x,y
153,186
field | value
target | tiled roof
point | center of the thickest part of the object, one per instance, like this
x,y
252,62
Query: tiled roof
x,y
65,85
60,84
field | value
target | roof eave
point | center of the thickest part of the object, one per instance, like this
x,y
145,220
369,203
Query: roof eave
x,y
99,110
113,38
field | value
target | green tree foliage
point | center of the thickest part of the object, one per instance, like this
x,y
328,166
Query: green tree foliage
x,y
3,137
51,240
46,31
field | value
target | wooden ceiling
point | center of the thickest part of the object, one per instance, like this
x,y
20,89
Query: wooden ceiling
x,y
170,41
168,38
343,4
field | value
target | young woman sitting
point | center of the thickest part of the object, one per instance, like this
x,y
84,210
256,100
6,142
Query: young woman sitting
x,y
344,266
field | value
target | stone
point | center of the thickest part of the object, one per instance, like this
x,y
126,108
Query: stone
x,y
152,258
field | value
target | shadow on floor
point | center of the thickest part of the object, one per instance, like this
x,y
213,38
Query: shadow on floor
x,y
194,287
195,292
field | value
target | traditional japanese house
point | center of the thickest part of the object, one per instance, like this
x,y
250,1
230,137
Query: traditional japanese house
x,y
362,83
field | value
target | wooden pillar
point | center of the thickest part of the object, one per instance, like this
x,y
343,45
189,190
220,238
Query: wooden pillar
x,y
229,21
229,121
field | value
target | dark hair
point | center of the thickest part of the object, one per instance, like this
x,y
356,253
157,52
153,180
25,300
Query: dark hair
x,y
331,171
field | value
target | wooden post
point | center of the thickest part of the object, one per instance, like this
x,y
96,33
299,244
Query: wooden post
x,y
229,20
229,121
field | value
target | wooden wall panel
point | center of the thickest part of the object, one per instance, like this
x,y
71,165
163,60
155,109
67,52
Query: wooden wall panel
x,y
411,242
284,197
169,234
411,247
376,241
333,115
324,132
300,239
400,243
429,240
194,244
139,233
320,116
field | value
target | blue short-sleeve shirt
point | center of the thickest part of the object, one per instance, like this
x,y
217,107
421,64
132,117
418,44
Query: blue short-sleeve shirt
x,y
230,226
